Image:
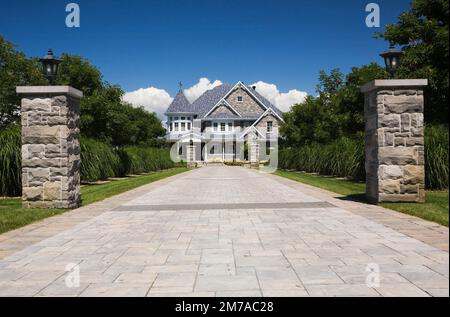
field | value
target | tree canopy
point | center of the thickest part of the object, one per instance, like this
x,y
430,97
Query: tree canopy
x,y
104,115
423,34
15,70
337,111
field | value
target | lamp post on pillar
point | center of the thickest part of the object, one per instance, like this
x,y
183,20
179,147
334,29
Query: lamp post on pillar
x,y
394,142
50,142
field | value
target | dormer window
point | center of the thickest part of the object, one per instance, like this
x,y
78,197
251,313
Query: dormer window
x,y
240,99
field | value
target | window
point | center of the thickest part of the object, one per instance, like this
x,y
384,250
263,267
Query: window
x,y
183,126
176,118
189,126
176,126
211,151
267,147
183,118
239,99
215,125
170,127
230,126
222,127
269,126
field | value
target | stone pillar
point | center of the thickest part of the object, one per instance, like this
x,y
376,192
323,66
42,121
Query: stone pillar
x,y
253,149
190,155
50,146
394,140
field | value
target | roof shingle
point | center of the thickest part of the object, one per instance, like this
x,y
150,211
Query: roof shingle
x,y
180,104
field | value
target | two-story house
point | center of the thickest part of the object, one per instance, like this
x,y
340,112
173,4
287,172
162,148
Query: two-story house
x,y
220,123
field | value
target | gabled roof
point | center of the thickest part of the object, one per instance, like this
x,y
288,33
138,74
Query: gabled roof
x,y
180,104
209,99
266,102
212,98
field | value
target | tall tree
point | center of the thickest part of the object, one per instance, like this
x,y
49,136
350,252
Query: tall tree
x,y
337,111
15,70
79,73
423,33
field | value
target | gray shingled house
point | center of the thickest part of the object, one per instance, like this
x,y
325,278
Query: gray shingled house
x,y
220,123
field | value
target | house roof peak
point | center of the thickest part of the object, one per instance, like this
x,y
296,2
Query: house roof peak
x,y
180,104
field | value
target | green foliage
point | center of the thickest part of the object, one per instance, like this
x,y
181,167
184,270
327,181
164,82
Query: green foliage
x,y
104,116
423,34
342,158
144,160
436,157
10,161
345,158
15,70
98,160
77,72
336,112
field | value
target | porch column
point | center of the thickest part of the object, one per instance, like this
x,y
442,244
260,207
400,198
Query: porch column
x,y
190,155
50,146
394,140
254,150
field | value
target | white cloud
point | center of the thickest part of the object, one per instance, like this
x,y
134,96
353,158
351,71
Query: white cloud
x,y
283,100
158,100
151,98
198,89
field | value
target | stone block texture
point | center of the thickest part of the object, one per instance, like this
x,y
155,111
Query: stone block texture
x,y
50,151
395,144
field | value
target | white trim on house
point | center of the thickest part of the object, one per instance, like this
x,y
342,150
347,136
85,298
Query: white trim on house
x,y
252,127
267,112
222,102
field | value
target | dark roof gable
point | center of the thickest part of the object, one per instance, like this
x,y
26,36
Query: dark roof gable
x,y
180,104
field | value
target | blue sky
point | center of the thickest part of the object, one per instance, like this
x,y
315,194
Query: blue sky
x,y
139,43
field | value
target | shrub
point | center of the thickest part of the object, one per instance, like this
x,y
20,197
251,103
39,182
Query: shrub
x,y
436,157
99,161
144,160
10,161
343,158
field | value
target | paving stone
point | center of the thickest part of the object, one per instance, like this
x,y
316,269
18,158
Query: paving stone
x,y
174,279
256,235
401,290
227,283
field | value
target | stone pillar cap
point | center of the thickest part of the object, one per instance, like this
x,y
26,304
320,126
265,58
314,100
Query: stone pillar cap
x,y
393,83
49,90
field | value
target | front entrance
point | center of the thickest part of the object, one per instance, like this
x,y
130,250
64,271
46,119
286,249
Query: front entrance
x,y
221,151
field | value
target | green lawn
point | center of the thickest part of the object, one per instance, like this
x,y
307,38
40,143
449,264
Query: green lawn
x,y
13,216
434,209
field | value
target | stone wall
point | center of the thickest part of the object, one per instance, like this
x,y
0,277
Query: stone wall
x,y
50,147
248,106
394,141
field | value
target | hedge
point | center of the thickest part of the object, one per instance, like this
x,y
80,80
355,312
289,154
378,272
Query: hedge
x,y
341,158
345,158
10,161
98,160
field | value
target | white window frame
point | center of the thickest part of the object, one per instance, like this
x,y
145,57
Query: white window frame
x,y
269,128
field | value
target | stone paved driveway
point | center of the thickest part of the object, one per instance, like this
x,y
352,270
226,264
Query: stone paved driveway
x,y
226,231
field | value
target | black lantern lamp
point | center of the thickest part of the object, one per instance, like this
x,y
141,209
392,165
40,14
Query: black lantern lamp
x,y
50,66
392,59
